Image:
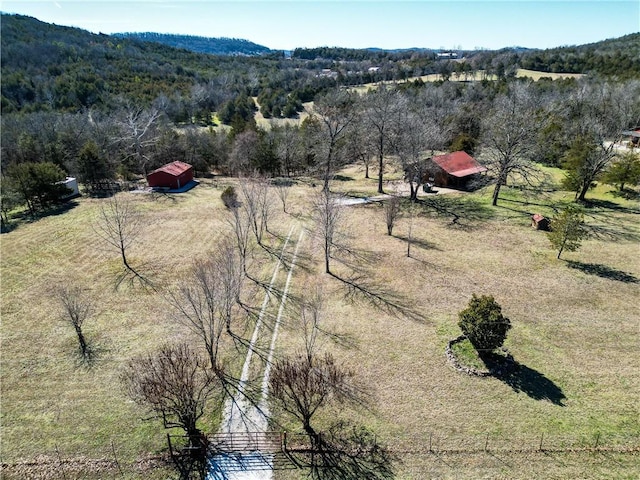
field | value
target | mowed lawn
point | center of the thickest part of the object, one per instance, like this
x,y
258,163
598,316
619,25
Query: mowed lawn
x,y
575,326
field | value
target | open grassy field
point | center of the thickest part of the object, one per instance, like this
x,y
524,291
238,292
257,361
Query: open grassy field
x,y
575,328
474,77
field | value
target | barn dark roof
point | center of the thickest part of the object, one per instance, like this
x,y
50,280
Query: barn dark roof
x,y
176,168
459,164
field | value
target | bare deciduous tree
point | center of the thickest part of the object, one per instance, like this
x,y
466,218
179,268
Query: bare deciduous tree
x,y
358,147
288,147
245,147
138,132
413,136
174,384
391,213
119,224
240,222
335,112
77,308
381,110
310,313
301,387
508,134
256,201
327,213
283,188
206,299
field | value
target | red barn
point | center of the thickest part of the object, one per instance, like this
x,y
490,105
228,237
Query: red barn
x,y
452,170
174,176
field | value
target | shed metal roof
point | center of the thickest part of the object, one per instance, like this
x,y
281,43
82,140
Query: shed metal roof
x,y
459,164
176,168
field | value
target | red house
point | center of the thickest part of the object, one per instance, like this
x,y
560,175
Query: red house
x,y
452,170
173,176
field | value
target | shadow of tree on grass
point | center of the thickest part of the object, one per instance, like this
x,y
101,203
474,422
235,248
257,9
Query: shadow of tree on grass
x,y
25,218
464,212
603,271
380,297
343,178
346,452
593,203
527,380
418,242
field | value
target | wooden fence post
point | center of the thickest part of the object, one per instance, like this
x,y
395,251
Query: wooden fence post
x,y
64,475
115,457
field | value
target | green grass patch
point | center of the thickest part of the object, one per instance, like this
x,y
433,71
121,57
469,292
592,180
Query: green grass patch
x,y
467,355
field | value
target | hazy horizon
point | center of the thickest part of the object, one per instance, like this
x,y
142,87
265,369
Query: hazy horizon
x,y
286,25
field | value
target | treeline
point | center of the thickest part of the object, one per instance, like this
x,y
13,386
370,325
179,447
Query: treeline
x,y
404,123
212,46
618,57
104,109
359,54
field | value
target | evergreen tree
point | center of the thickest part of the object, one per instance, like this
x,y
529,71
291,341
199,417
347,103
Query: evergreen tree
x,y
567,230
624,171
483,323
37,183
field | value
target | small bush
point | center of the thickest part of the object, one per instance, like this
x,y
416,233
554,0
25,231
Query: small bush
x,y
229,197
483,323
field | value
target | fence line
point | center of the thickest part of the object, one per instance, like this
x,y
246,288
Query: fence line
x,y
436,442
120,464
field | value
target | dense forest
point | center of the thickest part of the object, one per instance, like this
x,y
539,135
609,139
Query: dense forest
x,y
618,57
108,109
213,46
53,68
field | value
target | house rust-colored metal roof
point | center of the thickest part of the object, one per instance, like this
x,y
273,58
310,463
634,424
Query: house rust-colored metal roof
x,y
176,168
459,164
632,133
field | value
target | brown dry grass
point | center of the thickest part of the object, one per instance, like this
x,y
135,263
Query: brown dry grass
x,y
575,332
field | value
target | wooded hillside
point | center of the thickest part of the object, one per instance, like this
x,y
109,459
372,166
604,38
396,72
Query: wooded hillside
x,y
198,44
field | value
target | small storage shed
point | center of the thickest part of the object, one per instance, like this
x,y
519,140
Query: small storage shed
x,y
173,176
71,183
539,222
453,169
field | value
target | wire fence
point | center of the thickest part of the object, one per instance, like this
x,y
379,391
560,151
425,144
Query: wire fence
x,y
437,442
111,460
108,460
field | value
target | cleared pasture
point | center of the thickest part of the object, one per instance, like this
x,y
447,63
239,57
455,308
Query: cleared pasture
x,y
575,327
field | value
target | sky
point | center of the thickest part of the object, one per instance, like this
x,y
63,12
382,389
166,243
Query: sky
x,y
288,24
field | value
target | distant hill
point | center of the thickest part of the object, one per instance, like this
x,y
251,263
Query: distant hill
x,y
619,57
52,67
47,67
212,46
